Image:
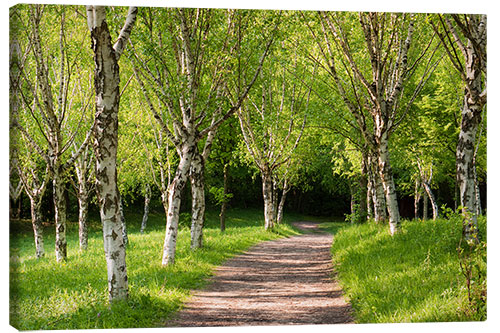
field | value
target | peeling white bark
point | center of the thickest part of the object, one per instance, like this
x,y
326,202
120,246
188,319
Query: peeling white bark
x,y
267,193
107,79
36,221
198,200
60,217
147,199
174,201
389,186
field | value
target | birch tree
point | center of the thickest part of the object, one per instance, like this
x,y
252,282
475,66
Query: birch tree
x,y
378,83
464,39
49,97
83,187
107,80
189,87
33,171
272,125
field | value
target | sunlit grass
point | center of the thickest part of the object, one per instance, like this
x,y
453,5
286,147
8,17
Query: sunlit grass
x,y
413,276
45,294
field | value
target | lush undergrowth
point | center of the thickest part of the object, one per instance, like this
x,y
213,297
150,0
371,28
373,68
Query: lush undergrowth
x,y
414,276
73,295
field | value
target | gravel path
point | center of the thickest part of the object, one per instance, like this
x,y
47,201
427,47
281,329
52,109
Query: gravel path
x,y
281,282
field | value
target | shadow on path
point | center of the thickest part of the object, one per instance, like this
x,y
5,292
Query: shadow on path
x,y
281,282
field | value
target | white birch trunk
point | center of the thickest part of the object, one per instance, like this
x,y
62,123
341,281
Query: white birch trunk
x,y
123,222
352,192
275,198
222,215
379,198
388,184
174,200
196,175
430,195
107,80
60,216
267,193
369,198
147,199
465,167
363,190
36,221
281,206
417,197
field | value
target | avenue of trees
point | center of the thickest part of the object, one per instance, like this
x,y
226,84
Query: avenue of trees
x,y
370,115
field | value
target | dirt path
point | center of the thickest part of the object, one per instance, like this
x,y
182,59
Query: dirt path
x,y
280,282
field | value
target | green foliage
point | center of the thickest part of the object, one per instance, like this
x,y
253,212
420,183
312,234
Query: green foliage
x,y
73,295
219,196
414,276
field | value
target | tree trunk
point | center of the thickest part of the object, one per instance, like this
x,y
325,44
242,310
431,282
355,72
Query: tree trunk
x,y
471,115
431,197
267,193
223,207
60,215
352,192
379,200
417,198
479,210
106,82
363,191
275,198
196,175
281,205
174,200
425,214
388,184
147,199
123,222
369,197
36,221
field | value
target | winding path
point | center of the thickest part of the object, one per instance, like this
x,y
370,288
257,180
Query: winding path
x,y
281,282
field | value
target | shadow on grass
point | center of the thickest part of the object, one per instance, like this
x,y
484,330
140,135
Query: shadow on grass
x,y
45,294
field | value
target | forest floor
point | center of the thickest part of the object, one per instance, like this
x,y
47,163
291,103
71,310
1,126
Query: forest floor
x,y
288,281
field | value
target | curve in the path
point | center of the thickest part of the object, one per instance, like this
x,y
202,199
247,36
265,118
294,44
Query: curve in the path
x,y
281,282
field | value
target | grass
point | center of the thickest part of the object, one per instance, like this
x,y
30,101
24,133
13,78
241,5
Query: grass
x,y
414,276
45,294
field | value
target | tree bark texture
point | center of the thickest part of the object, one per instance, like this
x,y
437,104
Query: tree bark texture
x,y
60,216
222,215
363,192
36,221
106,81
281,206
369,197
388,184
196,175
147,199
417,197
82,169
267,192
432,199
174,200
378,197
425,209
123,222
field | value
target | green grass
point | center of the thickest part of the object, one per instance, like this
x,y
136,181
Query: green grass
x,y
45,294
413,276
